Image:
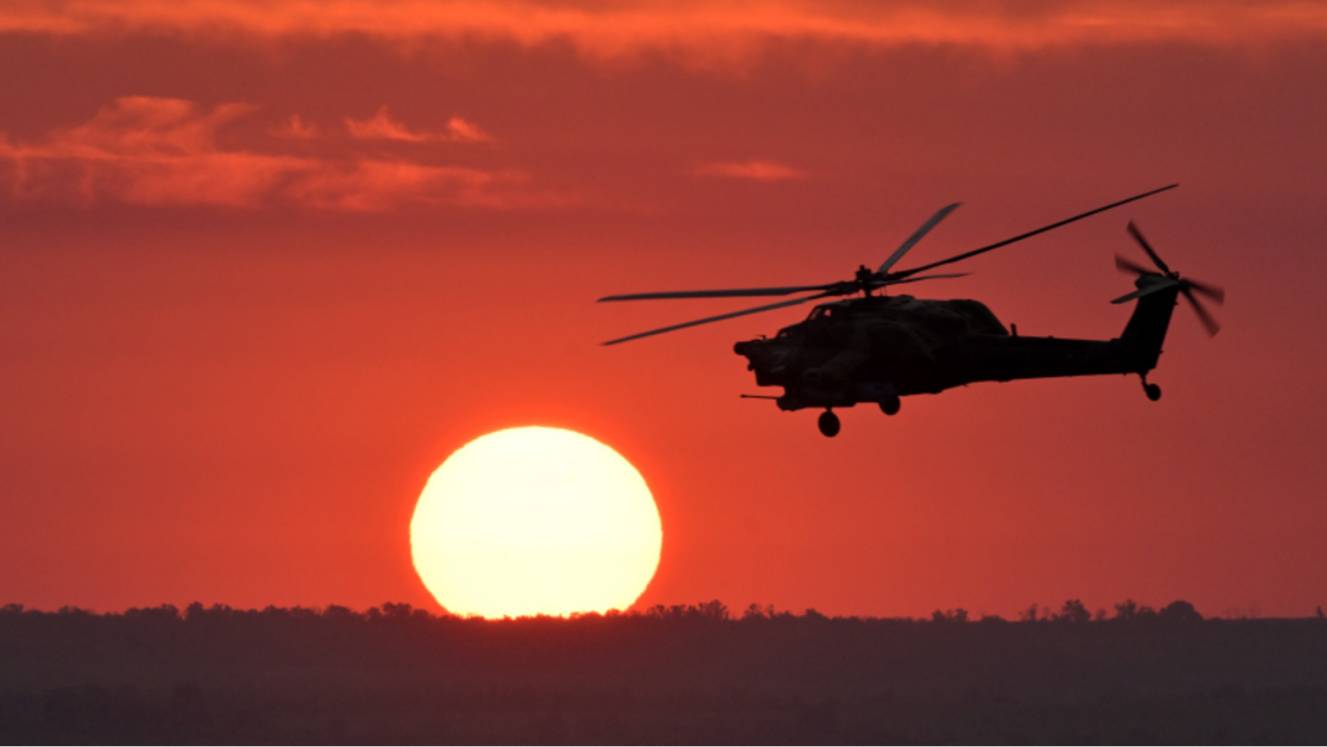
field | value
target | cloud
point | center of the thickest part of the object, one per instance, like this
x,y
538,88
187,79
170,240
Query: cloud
x,y
381,126
753,170
379,185
296,128
144,125
144,150
462,130
164,151
613,29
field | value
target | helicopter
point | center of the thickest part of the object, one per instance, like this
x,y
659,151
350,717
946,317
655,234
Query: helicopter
x,y
877,348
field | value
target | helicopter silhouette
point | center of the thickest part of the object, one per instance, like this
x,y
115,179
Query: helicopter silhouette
x,y
877,348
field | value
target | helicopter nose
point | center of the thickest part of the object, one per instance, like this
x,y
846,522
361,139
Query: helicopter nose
x,y
766,357
747,348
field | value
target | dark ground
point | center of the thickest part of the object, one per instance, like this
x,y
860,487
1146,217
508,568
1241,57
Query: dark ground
x,y
678,675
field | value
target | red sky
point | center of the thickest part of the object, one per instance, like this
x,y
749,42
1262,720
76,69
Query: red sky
x,y
265,266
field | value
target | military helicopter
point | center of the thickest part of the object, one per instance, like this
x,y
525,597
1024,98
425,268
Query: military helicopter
x,y
877,348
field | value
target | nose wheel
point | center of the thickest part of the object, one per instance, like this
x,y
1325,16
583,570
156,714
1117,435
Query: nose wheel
x,y
890,406
829,424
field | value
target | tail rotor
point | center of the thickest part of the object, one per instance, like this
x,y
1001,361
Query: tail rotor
x,y
1168,278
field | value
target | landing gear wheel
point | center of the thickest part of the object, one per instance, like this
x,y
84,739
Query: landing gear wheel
x,y
1152,391
829,424
890,406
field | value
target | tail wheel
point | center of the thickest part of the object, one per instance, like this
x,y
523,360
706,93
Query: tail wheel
x,y
1152,391
829,424
890,406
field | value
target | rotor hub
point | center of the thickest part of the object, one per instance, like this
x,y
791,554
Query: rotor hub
x,y
864,277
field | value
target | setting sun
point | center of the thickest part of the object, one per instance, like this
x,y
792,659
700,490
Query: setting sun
x,y
535,520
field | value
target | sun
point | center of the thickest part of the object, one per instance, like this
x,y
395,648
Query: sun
x,y
535,520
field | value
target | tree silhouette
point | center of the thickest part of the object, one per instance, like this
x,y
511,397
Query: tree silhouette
x,y
1126,610
1074,611
675,673
1180,611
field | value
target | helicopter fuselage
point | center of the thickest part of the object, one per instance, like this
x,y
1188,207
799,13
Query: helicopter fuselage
x,y
879,348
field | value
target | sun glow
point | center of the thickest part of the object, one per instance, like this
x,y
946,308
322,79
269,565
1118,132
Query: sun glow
x,y
535,520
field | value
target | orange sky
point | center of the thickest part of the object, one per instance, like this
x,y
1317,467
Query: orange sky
x,y
266,266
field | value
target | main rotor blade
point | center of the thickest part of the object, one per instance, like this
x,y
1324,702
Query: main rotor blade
x,y
1030,234
1214,292
1138,236
718,318
718,293
1209,322
1127,265
938,276
917,236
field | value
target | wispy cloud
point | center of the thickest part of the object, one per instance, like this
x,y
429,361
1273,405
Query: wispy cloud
x,y
382,126
297,128
164,151
753,170
462,130
381,185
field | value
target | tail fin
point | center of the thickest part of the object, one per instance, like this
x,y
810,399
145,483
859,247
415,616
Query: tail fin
x,y
1147,326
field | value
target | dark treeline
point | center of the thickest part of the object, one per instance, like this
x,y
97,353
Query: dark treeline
x,y
680,674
